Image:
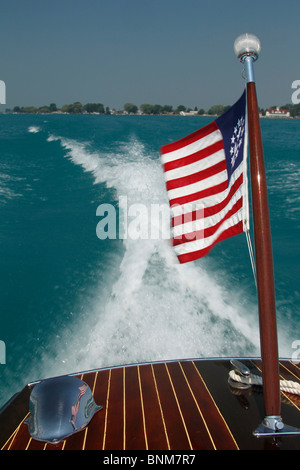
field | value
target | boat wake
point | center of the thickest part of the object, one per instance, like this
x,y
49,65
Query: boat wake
x,y
7,183
154,308
34,129
142,305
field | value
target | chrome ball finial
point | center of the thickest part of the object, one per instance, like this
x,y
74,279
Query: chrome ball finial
x,y
247,45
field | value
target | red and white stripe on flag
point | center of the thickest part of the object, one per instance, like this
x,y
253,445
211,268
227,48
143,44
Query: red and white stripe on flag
x,y
207,189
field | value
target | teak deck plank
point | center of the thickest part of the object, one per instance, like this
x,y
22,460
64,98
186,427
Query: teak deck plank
x,y
156,431
178,405
217,428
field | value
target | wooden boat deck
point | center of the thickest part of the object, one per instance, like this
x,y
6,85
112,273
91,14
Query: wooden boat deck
x,y
177,405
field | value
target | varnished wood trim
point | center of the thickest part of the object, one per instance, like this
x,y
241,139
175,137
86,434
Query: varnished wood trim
x,y
106,410
142,405
198,407
11,438
14,434
93,392
217,408
28,443
124,411
292,369
179,407
84,438
94,384
160,407
291,398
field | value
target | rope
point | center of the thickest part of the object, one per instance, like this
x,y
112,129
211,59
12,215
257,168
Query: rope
x,y
251,254
285,385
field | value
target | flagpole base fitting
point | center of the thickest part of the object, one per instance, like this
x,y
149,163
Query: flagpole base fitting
x,y
273,426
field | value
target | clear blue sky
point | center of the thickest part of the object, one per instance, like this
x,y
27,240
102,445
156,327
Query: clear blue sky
x,y
145,51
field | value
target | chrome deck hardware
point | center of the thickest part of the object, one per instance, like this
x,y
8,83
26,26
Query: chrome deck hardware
x,y
242,370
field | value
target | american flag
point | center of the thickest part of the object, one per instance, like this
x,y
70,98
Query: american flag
x,y
75,408
206,179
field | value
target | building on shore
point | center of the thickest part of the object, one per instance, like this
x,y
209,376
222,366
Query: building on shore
x,y
278,112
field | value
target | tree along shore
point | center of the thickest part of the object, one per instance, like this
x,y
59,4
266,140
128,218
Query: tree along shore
x,y
143,109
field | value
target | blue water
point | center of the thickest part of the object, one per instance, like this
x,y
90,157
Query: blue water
x,y
71,301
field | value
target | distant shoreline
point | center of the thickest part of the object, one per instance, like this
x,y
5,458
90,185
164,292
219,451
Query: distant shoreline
x,y
274,118
288,111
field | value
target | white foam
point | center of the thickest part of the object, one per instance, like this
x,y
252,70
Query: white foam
x,y
7,181
34,129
